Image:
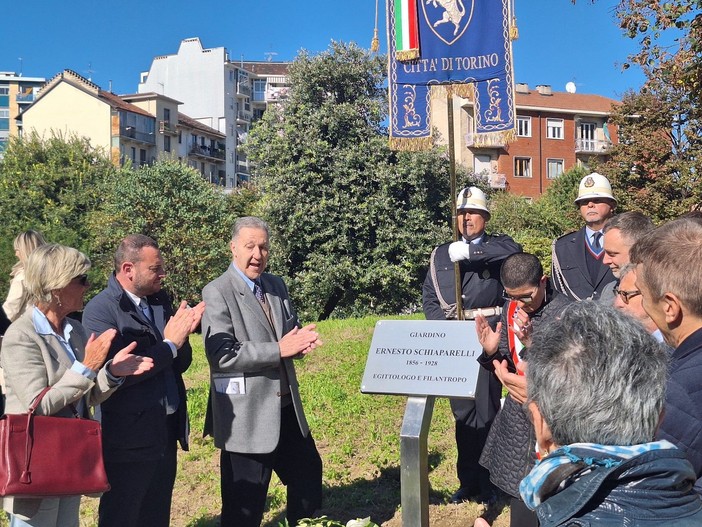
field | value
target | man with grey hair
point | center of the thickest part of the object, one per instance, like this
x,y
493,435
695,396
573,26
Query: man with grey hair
x,y
669,276
596,385
255,414
620,233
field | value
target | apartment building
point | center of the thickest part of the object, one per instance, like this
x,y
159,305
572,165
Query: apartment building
x,y
218,93
555,131
16,93
71,104
137,129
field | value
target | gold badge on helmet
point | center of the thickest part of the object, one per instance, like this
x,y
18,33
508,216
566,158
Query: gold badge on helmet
x,y
589,182
467,194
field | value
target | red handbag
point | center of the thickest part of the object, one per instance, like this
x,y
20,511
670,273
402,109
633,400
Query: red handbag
x,y
46,456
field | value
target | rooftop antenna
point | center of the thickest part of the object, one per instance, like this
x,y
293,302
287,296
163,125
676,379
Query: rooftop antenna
x,y
20,69
269,55
90,71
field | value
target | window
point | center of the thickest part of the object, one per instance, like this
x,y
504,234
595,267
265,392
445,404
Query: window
x,y
554,128
166,143
180,137
522,167
133,156
167,115
523,126
554,168
142,156
4,90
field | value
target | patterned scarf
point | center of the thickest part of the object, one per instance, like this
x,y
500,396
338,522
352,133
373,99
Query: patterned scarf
x,y
532,488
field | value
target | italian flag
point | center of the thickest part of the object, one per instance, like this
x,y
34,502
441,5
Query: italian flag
x,y
406,30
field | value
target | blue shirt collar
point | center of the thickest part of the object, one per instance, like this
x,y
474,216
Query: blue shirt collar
x,y
43,326
246,279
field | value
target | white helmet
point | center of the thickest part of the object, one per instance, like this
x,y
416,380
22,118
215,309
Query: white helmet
x,y
594,186
472,198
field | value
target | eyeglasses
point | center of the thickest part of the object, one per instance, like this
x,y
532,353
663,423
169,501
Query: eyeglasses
x,y
82,279
524,299
626,295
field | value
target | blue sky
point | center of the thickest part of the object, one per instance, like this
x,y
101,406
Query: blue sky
x,y
114,41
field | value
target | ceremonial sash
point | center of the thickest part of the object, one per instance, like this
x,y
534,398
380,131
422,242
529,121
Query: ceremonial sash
x,y
515,345
406,30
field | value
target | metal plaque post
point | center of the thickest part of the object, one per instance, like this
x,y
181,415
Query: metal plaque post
x,y
414,476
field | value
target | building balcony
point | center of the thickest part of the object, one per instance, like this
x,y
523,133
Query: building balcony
x,y
276,93
242,166
207,152
130,132
25,98
167,127
242,116
243,89
592,146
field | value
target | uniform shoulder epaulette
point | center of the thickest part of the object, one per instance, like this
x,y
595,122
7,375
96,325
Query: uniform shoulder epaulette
x,y
567,234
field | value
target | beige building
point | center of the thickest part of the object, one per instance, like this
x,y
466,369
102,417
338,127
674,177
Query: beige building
x,y
71,104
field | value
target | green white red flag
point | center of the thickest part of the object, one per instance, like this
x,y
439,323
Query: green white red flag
x,y
406,30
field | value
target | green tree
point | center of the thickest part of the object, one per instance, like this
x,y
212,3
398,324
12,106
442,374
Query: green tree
x,y
49,185
657,164
354,222
190,218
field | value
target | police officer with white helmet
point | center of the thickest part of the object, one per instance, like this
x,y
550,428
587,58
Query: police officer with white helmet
x,y
480,258
577,269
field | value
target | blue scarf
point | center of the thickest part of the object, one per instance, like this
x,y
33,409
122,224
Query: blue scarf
x,y
531,487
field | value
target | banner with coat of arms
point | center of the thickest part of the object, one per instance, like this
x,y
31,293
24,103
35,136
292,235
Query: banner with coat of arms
x,y
464,45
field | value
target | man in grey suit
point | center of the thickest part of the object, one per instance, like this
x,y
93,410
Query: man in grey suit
x,y
255,414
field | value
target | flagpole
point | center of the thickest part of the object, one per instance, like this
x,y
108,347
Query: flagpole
x,y
452,201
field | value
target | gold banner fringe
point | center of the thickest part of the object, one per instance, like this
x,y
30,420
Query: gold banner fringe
x,y
407,54
494,139
411,144
461,90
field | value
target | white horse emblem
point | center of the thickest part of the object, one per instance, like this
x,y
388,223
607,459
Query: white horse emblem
x,y
454,11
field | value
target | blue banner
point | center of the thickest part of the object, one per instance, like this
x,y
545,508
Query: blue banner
x,y
460,42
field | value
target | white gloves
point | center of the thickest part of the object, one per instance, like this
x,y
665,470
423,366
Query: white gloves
x,y
459,251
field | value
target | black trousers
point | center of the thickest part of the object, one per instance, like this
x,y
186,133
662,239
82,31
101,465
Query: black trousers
x,y
520,515
473,420
245,477
140,491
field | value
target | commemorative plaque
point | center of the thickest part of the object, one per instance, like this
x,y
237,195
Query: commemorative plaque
x,y
423,357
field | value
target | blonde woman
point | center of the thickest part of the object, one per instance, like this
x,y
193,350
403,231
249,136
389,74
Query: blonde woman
x,y
17,297
44,347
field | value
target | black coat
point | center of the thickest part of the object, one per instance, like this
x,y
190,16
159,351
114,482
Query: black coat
x,y
134,417
510,447
480,276
569,270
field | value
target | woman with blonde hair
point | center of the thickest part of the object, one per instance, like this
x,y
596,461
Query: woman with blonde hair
x,y
44,347
17,297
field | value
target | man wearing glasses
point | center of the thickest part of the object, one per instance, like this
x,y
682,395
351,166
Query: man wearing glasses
x,y
480,256
529,302
577,268
628,298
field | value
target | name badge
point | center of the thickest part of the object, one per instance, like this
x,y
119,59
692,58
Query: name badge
x,y
230,384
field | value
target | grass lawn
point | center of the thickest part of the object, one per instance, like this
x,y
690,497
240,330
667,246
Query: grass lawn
x,y
357,436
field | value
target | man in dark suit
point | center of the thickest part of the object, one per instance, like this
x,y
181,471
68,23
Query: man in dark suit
x,y
255,414
577,268
147,415
480,256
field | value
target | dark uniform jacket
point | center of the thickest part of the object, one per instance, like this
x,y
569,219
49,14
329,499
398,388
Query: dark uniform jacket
x,y
480,277
510,447
134,417
569,270
682,416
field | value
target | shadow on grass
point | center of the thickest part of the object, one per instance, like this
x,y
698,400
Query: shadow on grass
x,y
378,498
